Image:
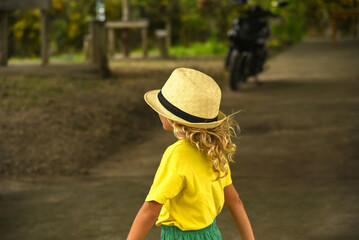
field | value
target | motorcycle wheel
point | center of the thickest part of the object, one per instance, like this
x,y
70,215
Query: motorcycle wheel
x,y
237,76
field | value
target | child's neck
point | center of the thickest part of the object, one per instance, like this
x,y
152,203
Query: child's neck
x,y
180,136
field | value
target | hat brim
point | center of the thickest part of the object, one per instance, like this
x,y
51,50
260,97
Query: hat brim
x,y
151,99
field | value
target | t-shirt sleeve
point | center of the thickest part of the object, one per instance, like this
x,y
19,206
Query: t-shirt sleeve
x,y
228,178
167,182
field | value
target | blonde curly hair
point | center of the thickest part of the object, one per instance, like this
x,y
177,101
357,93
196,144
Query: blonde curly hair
x,y
215,142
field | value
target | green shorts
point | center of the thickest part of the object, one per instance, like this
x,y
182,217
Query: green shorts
x,y
208,233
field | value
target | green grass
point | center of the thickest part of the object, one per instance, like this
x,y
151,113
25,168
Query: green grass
x,y
76,57
65,57
151,51
22,93
210,47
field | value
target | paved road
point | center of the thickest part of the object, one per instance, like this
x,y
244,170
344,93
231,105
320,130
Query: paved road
x,y
296,169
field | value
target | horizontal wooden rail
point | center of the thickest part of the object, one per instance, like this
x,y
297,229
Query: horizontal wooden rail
x,y
24,4
127,24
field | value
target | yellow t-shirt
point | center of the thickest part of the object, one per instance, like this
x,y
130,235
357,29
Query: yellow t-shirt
x,y
186,185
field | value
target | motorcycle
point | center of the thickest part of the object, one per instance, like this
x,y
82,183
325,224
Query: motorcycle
x,y
248,36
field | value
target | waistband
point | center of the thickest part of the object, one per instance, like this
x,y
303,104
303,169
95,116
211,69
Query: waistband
x,y
174,229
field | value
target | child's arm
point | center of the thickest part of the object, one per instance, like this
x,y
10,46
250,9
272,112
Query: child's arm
x,y
239,216
144,220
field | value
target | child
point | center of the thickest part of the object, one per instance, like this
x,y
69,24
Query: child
x,y
193,180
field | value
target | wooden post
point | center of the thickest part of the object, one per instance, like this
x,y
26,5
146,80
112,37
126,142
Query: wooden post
x,y
168,36
3,38
94,42
144,41
105,71
161,36
44,39
125,31
111,41
334,31
125,10
99,57
170,11
125,41
87,46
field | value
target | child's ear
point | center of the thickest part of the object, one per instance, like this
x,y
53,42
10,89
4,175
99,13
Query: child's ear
x,y
165,123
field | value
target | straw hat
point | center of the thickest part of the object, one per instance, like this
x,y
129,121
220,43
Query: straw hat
x,y
188,97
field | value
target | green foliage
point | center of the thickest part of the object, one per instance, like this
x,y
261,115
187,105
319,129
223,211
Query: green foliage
x,y
211,47
113,9
26,32
70,23
198,24
59,35
293,27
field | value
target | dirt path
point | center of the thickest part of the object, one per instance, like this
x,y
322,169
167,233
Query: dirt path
x,y
296,170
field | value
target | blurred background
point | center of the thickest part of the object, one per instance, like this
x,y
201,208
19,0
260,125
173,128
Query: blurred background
x,y
196,27
79,147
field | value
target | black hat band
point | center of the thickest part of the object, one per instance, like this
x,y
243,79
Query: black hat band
x,y
181,114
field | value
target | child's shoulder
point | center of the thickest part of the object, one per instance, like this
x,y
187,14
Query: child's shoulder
x,y
181,155
181,147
